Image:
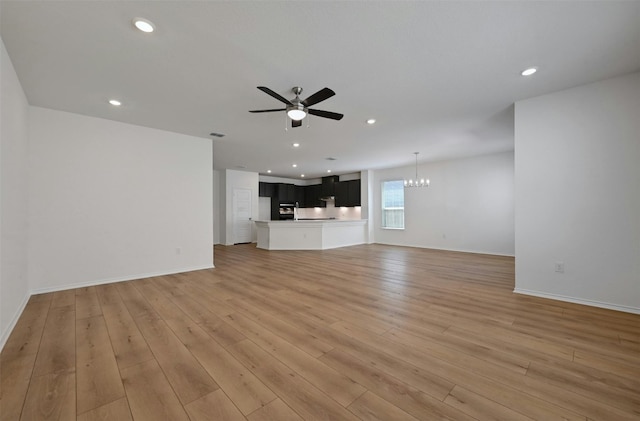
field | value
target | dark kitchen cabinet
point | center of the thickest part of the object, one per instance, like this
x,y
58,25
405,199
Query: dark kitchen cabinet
x,y
275,209
348,193
299,195
354,188
261,187
266,189
312,195
286,193
341,190
328,185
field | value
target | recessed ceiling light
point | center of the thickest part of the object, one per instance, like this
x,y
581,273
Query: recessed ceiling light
x,y
328,170
529,71
371,121
302,175
268,171
144,25
294,165
295,145
115,102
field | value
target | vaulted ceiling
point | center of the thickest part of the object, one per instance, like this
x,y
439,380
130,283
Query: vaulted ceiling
x,y
439,77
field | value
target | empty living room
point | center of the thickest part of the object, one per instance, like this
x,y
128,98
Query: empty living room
x,y
344,210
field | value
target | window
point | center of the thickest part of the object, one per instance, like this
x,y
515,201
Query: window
x,y
393,204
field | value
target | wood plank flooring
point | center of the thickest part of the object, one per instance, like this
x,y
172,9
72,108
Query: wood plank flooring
x,y
369,332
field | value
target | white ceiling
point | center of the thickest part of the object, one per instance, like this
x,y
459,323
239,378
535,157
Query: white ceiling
x,y
440,77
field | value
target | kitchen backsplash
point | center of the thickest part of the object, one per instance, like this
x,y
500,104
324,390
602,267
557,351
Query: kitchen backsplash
x,y
331,211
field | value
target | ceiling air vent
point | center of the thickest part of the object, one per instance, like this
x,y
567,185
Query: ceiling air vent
x,y
214,134
331,159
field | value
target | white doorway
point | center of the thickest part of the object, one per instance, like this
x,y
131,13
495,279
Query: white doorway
x,y
242,218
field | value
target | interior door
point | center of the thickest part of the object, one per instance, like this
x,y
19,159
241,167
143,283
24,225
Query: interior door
x,y
242,219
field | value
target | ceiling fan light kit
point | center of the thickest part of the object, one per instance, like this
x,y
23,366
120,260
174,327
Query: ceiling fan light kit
x,y
296,113
298,109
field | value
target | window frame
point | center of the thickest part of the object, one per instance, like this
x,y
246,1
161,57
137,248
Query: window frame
x,y
383,209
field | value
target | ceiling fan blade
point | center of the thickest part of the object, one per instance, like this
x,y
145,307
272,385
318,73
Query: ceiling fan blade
x,y
296,123
275,95
321,95
267,111
326,114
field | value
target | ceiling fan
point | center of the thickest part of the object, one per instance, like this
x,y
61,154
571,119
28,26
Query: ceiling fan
x,y
298,109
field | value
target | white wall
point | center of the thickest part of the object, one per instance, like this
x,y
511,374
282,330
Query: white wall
x,y
112,201
221,207
468,207
366,199
578,194
238,180
216,207
14,288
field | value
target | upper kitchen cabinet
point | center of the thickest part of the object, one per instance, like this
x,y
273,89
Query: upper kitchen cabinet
x,y
300,196
312,195
328,185
266,189
286,193
347,193
354,193
341,190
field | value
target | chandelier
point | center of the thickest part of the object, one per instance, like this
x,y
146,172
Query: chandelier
x,y
416,182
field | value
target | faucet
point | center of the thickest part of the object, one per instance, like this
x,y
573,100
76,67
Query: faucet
x,y
295,212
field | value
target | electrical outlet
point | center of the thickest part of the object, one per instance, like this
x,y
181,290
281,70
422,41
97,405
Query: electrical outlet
x,y
559,266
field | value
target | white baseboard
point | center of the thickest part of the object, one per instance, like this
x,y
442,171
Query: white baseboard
x,y
117,279
490,253
16,316
14,320
592,303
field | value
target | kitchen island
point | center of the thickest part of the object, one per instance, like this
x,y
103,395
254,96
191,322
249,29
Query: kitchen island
x,y
310,234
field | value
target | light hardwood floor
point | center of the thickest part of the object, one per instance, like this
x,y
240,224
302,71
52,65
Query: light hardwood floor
x,y
368,332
